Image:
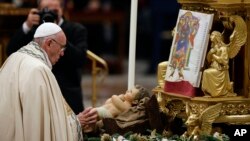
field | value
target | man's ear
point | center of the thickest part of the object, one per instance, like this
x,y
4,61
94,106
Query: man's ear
x,y
47,45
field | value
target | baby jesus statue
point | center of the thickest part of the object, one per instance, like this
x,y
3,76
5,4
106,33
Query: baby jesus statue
x,y
117,105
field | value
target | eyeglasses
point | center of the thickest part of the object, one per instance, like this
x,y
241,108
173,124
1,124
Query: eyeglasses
x,y
63,47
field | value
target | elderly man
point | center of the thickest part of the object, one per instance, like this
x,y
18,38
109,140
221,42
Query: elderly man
x,y
32,107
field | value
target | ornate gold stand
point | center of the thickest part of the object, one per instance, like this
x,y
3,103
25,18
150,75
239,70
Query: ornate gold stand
x,y
202,111
234,110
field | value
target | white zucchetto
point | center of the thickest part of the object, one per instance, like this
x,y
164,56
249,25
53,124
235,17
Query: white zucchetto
x,y
47,29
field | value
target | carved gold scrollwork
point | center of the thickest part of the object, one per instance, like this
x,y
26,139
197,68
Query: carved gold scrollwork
x,y
197,108
235,109
171,106
200,8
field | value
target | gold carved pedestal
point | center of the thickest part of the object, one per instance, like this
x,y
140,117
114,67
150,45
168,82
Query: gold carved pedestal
x,y
234,110
208,110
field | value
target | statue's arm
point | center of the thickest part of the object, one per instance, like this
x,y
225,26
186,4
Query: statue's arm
x,y
119,103
210,54
223,58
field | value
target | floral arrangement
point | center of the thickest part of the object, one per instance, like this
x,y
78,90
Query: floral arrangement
x,y
165,136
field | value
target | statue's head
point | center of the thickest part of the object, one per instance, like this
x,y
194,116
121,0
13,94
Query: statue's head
x,y
142,92
193,120
136,94
191,123
216,36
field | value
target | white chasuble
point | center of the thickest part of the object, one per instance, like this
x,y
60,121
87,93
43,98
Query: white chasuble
x,y
32,107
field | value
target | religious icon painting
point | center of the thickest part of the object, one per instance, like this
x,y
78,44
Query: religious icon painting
x,y
188,51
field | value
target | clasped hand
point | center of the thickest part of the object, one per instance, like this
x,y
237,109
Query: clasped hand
x,y
88,116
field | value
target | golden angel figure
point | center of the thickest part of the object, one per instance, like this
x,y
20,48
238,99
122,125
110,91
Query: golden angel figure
x,y
201,124
216,80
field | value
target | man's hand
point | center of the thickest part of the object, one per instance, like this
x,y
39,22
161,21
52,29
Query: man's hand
x,y
33,18
88,116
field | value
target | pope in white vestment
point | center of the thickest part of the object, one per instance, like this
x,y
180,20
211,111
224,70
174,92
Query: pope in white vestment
x,y
32,107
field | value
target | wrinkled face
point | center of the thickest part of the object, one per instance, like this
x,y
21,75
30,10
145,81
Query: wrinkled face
x,y
130,94
53,5
55,47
